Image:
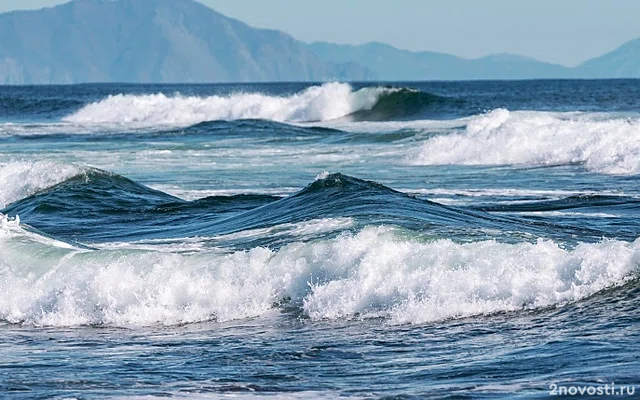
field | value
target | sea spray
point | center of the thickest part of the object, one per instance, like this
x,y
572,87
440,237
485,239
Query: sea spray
x,y
378,272
317,103
501,137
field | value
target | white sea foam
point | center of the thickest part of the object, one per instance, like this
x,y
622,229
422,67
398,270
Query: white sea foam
x,y
322,175
23,178
609,146
317,103
377,272
10,228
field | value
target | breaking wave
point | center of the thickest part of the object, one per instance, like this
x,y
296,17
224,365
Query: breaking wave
x,y
121,209
605,145
340,248
402,103
23,178
374,273
318,103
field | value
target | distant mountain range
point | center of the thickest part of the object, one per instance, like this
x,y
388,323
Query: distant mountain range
x,y
152,41
184,41
623,62
390,64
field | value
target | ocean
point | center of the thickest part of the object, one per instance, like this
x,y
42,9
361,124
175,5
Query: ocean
x,y
406,240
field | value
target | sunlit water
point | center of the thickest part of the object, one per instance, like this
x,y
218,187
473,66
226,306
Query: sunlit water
x,y
473,239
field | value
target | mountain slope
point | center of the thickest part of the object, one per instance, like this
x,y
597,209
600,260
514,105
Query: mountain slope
x,y
390,63
152,41
159,41
623,62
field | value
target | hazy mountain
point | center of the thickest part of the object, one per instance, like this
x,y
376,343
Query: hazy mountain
x,y
390,63
623,62
185,41
152,41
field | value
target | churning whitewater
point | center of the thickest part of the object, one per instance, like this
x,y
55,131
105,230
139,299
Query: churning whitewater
x,y
602,143
297,240
377,272
317,103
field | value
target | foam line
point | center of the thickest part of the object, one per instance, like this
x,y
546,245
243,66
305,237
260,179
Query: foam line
x,y
377,272
501,137
317,103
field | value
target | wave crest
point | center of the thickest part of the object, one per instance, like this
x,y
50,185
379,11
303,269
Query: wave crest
x,y
317,103
501,137
377,272
23,178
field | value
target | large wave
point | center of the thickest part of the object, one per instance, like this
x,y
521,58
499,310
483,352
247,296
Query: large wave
x,y
403,103
358,271
318,103
21,179
377,272
122,210
602,143
59,199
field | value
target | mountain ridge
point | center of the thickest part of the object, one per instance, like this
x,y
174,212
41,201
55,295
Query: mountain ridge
x,y
382,58
623,61
184,41
392,64
175,41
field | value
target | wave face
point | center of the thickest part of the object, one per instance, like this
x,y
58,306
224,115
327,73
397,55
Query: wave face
x,y
121,254
377,272
135,212
403,103
501,137
95,206
318,103
20,103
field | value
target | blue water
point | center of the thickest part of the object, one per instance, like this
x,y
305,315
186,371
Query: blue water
x,y
447,240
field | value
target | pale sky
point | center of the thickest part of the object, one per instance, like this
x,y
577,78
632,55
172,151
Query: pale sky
x,y
561,31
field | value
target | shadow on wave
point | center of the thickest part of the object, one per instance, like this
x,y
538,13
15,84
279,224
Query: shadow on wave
x,y
255,129
405,103
583,203
28,106
267,131
615,216
98,206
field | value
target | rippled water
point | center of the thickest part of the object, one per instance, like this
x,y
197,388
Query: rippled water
x,y
463,239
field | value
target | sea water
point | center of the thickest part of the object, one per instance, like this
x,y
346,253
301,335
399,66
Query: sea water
x,y
457,239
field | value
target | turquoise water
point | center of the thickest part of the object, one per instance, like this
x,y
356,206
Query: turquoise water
x,y
462,239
